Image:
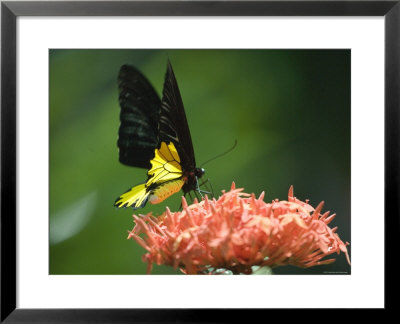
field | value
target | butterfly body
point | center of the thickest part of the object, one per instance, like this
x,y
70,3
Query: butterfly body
x,y
154,134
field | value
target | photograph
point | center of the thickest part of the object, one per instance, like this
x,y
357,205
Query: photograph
x,y
199,161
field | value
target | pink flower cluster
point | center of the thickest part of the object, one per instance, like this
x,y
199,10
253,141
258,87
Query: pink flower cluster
x,y
237,232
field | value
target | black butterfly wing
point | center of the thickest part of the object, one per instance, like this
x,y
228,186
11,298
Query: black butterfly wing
x,y
140,113
173,126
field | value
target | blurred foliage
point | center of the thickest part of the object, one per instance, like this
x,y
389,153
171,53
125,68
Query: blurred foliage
x,y
288,109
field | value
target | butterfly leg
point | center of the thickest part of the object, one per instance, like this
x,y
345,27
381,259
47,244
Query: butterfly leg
x,y
197,196
191,198
198,189
204,183
212,189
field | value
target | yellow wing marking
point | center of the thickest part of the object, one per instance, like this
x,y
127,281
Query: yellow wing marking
x,y
165,165
174,152
135,197
165,190
164,179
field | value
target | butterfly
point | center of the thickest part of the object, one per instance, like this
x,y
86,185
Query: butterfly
x,y
154,134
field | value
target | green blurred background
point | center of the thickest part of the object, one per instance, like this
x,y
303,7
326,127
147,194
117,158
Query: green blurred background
x,y
288,109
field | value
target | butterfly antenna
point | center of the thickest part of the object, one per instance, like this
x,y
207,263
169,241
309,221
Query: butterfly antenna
x,y
219,155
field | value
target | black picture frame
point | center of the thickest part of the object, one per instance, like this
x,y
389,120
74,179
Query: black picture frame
x,y
10,10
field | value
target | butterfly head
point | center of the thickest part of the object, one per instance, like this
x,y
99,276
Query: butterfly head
x,y
199,172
